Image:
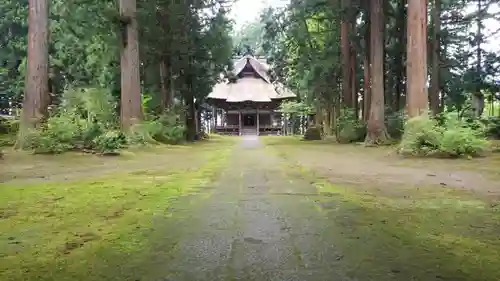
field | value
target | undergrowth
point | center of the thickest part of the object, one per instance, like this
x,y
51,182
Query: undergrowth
x,y
444,136
349,128
86,120
167,128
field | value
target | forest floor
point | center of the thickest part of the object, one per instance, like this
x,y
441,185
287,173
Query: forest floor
x,y
270,208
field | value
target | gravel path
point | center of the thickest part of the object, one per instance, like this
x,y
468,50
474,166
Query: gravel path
x,y
256,225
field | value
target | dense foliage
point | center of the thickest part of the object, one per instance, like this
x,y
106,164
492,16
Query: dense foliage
x,y
322,51
176,69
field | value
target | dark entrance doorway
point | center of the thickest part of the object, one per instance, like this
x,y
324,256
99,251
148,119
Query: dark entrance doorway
x,y
249,120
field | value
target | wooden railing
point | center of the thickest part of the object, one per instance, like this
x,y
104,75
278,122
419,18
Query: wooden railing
x,y
235,129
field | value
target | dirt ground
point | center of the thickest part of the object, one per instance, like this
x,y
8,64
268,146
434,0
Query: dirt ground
x,y
382,167
22,167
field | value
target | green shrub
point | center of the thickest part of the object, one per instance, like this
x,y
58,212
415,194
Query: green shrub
x,y
448,137
8,130
9,125
395,123
166,128
492,127
313,133
44,142
349,128
144,132
85,120
173,130
109,143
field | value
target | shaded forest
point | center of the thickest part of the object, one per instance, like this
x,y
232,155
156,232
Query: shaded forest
x,y
96,75
99,75
362,68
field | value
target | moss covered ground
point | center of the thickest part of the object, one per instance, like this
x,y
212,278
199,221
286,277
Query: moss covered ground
x,y
411,231
80,217
98,227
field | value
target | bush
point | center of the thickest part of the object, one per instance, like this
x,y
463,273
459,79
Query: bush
x,y
166,128
109,143
173,130
349,128
492,127
85,120
450,137
8,125
144,133
395,123
44,142
313,133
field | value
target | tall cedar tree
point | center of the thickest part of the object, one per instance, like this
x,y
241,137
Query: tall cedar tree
x,y
131,109
376,130
345,30
36,95
436,58
416,68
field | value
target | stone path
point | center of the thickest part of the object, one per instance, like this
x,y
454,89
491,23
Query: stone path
x,y
256,225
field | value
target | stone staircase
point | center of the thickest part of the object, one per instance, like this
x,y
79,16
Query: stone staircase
x,y
248,131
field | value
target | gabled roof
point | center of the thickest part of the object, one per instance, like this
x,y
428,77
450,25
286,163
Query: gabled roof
x,y
250,89
258,65
253,89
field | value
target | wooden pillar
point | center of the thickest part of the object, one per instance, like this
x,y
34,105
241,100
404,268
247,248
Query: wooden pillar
x,y
239,126
214,120
258,122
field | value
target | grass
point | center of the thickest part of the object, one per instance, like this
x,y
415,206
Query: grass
x,y
26,166
432,234
424,233
98,228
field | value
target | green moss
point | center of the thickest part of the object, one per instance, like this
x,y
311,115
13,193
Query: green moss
x,y
430,233
97,229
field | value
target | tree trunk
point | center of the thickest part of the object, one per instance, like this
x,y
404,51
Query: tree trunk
x,y
36,95
416,68
345,29
131,109
354,88
399,69
366,67
436,58
198,123
190,117
165,85
376,130
478,97
366,89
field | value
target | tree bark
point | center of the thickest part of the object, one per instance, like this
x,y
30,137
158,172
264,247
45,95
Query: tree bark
x,y
478,97
376,130
165,85
366,89
436,59
354,88
345,29
399,60
416,68
366,69
36,95
131,108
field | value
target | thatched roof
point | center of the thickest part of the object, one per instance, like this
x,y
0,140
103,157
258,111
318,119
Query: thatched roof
x,y
253,89
258,65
